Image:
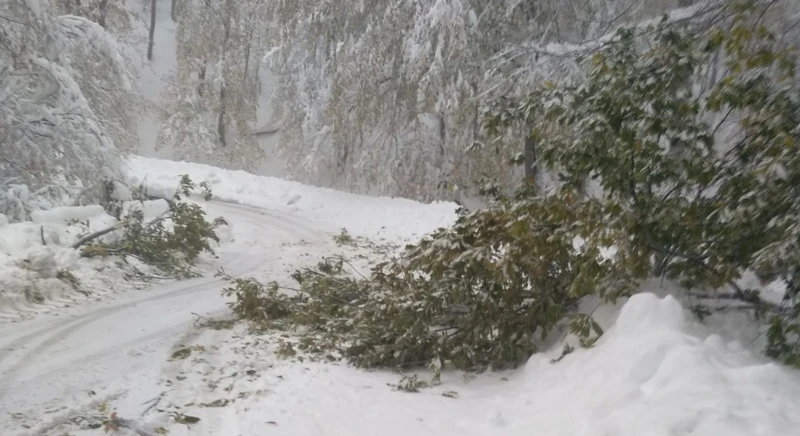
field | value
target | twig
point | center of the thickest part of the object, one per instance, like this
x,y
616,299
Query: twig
x,y
88,238
201,317
20,166
11,20
41,233
341,258
143,276
154,402
735,296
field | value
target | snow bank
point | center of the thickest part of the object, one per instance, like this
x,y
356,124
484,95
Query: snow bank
x,y
39,269
654,373
62,215
150,209
391,218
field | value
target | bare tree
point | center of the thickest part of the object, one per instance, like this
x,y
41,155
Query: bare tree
x,y
150,42
213,95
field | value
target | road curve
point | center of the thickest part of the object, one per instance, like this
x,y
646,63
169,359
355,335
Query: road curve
x,y
57,360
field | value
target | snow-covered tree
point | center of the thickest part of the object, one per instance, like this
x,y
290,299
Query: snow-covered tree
x,y
681,140
109,14
55,141
387,95
212,97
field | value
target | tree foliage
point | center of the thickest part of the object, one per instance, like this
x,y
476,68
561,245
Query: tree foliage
x,y
171,242
481,294
688,144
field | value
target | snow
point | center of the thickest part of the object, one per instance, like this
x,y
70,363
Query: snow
x,y
33,253
62,215
150,209
772,292
651,374
374,217
656,371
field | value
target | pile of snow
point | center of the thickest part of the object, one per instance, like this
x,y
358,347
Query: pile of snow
x,y
656,373
374,217
41,271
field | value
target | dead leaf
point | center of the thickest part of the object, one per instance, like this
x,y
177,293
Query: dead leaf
x,y
112,423
216,403
185,419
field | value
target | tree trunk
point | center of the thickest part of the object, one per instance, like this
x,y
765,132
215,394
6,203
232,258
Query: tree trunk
x,y
529,159
250,27
659,264
221,119
152,30
173,12
103,10
202,77
246,61
222,96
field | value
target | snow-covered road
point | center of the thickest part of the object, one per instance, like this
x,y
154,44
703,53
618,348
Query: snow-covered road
x,y
655,372
58,362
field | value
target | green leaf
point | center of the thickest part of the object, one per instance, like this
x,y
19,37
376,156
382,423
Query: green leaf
x,y
183,353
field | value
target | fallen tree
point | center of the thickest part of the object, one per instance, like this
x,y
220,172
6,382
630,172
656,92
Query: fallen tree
x,y
172,241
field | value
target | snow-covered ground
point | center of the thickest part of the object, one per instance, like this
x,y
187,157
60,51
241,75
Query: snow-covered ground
x,y
40,272
152,357
392,219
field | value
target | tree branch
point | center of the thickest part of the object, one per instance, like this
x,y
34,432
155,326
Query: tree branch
x,y
92,236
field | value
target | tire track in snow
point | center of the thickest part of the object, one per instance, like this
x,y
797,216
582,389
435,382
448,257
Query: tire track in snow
x,y
21,356
184,288
254,216
59,334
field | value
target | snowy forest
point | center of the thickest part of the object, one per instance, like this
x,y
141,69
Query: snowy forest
x,y
508,179
379,97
